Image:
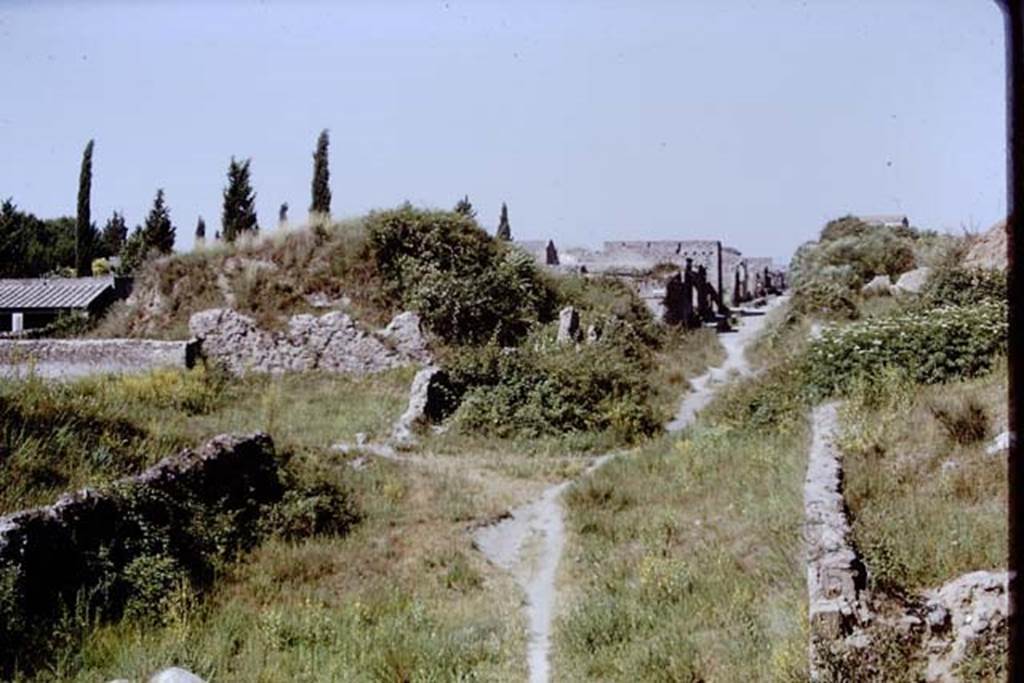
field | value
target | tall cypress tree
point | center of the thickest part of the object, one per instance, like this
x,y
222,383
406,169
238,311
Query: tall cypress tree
x,y
465,208
84,237
239,216
200,231
321,189
158,232
504,229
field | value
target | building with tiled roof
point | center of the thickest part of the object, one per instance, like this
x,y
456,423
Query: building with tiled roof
x,y
32,303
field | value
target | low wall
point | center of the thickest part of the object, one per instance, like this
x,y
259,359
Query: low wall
x,y
82,545
835,575
66,358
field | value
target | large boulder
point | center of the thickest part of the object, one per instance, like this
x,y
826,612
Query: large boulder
x,y
912,282
880,285
405,332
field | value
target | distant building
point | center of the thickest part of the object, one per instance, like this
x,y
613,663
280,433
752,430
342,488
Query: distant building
x,y
891,220
31,303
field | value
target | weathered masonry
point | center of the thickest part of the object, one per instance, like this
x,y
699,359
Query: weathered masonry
x,y
719,276
31,303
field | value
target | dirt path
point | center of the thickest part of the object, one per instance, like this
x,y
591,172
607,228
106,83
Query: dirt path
x,y
529,542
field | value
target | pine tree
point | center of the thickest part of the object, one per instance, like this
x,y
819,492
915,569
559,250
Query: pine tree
x,y
504,229
200,231
465,208
321,189
158,232
84,231
113,237
239,216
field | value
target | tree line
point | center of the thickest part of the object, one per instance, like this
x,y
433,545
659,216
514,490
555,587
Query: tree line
x,y
34,247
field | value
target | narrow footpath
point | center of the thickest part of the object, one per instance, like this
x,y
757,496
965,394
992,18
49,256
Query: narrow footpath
x,y
529,542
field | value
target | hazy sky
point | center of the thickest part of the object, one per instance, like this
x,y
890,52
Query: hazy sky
x,y
751,122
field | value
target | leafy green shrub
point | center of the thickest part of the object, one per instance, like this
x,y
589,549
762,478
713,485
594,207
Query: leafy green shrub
x,y
833,293
314,503
827,275
955,286
933,346
467,287
543,388
152,581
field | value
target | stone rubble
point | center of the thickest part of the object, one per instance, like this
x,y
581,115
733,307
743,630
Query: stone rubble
x,y
969,610
944,624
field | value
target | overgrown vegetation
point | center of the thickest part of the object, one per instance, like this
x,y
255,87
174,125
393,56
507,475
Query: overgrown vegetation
x,y
934,345
827,275
685,558
62,436
927,501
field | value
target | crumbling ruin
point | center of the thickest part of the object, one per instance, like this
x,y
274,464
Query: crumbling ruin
x,y
721,277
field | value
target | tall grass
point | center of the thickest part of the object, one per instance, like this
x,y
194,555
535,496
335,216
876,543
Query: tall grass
x,y
685,558
927,502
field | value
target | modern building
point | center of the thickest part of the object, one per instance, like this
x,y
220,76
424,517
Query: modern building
x,y
31,303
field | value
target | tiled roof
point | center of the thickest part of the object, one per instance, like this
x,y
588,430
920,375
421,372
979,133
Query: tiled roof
x,y
54,292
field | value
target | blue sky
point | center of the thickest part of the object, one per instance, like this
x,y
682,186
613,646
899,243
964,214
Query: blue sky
x,y
751,122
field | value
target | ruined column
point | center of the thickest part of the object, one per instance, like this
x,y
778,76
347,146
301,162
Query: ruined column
x,y
677,307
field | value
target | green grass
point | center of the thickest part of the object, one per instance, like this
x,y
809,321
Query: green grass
x,y
685,560
403,597
59,437
927,503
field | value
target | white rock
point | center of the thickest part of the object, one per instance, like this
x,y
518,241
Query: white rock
x,y
416,412
175,675
912,281
880,285
999,444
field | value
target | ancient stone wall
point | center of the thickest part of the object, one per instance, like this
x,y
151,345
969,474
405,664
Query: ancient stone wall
x,y
647,254
51,556
329,343
835,576
67,358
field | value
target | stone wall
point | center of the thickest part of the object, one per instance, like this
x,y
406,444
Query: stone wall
x,y
67,358
82,545
835,576
329,343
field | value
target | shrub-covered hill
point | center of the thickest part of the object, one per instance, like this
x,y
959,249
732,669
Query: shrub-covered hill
x,y
827,274
466,285
490,309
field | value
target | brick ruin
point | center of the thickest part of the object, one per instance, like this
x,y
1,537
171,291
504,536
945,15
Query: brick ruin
x,y
686,282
